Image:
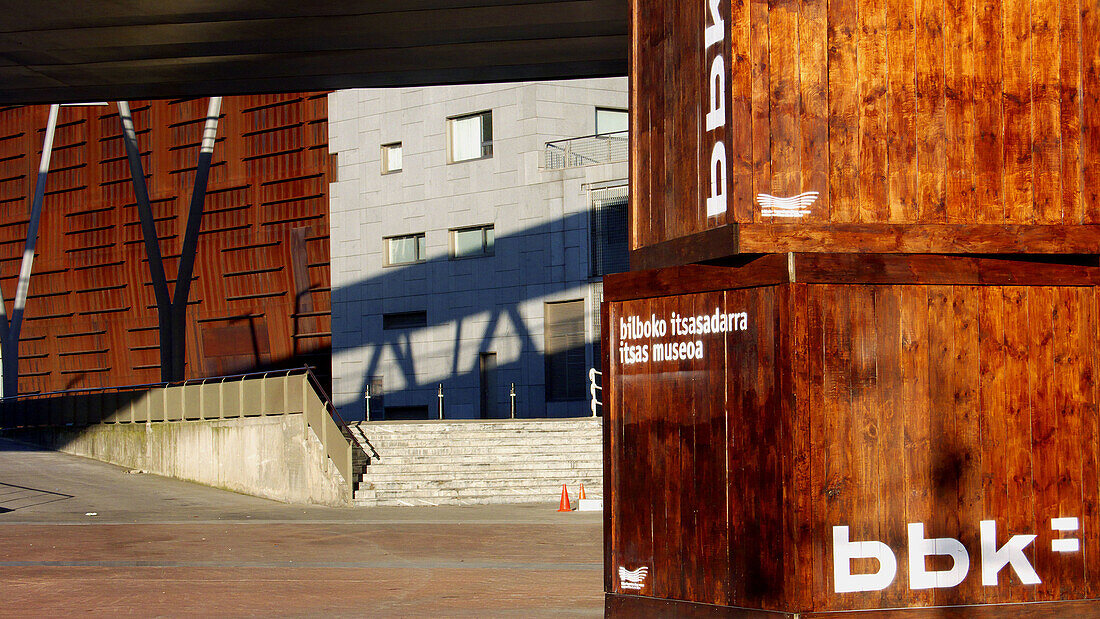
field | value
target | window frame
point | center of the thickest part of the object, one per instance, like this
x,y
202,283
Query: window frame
x,y
385,160
556,357
486,145
421,249
485,250
400,321
600,108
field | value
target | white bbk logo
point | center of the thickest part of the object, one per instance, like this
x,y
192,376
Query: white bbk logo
x,y
993,557
632,579
794,206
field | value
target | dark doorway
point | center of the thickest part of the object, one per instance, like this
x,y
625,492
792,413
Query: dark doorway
x,y
487,362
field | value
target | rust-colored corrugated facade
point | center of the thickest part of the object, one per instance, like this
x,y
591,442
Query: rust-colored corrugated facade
x,y
260,296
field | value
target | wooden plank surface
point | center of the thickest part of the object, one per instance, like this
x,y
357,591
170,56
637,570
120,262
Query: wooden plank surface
x,y
813,62
959,73
871,67
843,111
942,404
1017,108
946,112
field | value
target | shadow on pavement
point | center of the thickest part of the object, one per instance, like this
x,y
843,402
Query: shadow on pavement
x,y
13,497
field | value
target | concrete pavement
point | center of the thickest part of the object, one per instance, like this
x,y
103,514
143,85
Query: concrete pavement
x,y
81,537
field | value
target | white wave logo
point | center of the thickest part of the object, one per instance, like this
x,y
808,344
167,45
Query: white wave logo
x,y
632,579
794,206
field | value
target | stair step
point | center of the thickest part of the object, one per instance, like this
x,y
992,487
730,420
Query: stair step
x,y
459,463
475,476
457,493
525,466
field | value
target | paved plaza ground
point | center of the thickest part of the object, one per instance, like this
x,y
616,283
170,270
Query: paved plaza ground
x,y
80,537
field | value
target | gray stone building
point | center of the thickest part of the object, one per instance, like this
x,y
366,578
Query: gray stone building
x,y
471,226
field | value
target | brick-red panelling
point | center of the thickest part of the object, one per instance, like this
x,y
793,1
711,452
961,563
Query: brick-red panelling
x,y
260,294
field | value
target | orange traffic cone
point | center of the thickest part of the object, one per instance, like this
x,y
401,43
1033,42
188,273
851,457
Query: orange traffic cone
x,y
564,506
582,497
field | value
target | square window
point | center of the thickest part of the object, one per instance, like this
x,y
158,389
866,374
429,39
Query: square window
x,y
391,158
405,249
472,242
610,120
470,137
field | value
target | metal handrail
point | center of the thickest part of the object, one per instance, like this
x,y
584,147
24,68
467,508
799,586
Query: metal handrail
x,y
179,383
344,427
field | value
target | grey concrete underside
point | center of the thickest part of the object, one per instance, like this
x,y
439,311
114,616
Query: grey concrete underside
x,y
60,51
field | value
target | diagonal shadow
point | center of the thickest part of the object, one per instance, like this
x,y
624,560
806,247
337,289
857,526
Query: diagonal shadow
x,y
13,497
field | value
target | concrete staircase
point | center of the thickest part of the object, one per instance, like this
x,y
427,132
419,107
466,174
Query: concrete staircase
x,y
479,462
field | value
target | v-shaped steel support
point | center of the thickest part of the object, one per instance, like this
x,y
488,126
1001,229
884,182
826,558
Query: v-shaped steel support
x,y
171,308
9,330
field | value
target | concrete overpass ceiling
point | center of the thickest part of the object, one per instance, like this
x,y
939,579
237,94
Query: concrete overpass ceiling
x,y
59,50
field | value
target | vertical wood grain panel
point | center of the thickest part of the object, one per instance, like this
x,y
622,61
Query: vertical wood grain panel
x,y
617,468
989,190
1070,119
666,413
893,414
813,63
739,120
1071,411
835,436
786,135
1017,422
635,541
993,353
902,128
1084,376
959,116
873,111
668,104
772,559
944,450
688,145
1047,462
1090,109
931,145
968,430
760,45
1046,94
807,572
812,321
640,122
914,367
1018,176
843,111
868,478
710,465
746,498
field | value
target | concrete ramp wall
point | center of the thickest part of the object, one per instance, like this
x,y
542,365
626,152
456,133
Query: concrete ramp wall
x,y
277,451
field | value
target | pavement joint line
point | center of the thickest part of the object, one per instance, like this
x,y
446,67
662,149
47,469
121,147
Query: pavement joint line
x,y
413,565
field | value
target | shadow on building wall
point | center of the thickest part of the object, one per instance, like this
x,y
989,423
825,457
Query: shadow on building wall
x,y
479,311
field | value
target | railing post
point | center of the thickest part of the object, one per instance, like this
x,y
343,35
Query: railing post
x,y
441,401
592,374
512,397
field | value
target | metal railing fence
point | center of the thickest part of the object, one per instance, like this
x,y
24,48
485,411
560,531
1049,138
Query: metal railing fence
x,y
587,150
